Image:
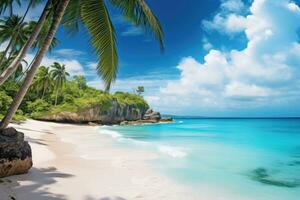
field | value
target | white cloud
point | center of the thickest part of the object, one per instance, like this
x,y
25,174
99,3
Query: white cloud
x,y
231,23
92,65
264,74
206,44
233,5
151,83
242,90
228,20
293,7
132,31
72,66
69,52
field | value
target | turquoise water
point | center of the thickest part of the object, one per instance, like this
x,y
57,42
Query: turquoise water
x,y
231,158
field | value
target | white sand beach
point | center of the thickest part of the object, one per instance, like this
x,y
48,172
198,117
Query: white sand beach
x,y
70,165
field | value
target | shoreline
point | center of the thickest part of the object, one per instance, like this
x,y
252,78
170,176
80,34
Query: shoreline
x,y
74,162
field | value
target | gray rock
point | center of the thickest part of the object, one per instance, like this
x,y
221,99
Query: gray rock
x,y
152,115
15,153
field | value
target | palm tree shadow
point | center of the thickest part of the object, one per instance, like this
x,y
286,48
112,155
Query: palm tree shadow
x,y
39,180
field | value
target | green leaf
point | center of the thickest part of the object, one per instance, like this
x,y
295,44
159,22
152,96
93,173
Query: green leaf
x,y
71,19
95,17
138,12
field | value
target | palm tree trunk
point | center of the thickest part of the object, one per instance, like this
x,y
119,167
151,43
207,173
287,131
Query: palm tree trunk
x,y
5,51
14,65
42,51
26,70
56,97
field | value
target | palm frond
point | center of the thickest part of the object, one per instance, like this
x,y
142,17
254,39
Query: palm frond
x,y
71,19
138,12
95,17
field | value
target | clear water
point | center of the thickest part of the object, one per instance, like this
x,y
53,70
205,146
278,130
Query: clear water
x,y
231,158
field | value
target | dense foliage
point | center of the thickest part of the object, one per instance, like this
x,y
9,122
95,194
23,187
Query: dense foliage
x,y
74,95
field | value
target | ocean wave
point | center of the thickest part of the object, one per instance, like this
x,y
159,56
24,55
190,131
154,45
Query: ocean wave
x,y
113,134
172,151
175,152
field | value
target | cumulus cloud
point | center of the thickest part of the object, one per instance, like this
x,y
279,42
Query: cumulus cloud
x,y
151,82
229,20
233,5
265,73
231,23
73,66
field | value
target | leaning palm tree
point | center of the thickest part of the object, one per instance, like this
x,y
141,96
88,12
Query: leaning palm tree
x,y
12,30
22,53
59,76
94,15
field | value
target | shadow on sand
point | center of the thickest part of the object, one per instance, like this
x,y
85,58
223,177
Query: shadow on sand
x,y
37,182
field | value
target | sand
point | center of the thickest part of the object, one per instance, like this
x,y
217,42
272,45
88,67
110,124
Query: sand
x,y
75,162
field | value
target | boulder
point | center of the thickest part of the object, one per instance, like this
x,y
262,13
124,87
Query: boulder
x,y
15,153
152,115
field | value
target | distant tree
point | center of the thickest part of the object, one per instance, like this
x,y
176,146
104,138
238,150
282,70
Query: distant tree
x,y
80,81
43,81
59,75
140,90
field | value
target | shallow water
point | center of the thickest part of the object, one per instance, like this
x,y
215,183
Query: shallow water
x,y
232,158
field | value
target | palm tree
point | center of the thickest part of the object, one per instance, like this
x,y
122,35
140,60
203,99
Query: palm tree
x,y
95,16
8,4
42,35
57,16
22,53
43,80
13,30
59,76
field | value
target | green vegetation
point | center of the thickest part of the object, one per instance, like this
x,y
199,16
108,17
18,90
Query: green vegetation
x,y
74,95
93,15
140,90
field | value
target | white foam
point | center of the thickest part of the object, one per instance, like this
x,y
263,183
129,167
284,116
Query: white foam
x,y
172,151
113,134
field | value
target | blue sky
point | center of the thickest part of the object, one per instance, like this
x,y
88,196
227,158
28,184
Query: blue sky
x,y
222,57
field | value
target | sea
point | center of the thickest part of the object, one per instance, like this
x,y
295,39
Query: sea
x,y
233,158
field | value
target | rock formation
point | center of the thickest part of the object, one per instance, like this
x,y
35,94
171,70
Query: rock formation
x,y
15,153
152,115
115,114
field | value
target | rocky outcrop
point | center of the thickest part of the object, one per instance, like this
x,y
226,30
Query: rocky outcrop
x,y
15,153
152,115
115,114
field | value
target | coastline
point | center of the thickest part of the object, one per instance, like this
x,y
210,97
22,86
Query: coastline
x,y
74,162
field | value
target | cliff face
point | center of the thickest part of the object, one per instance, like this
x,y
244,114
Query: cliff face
x,y
115,114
